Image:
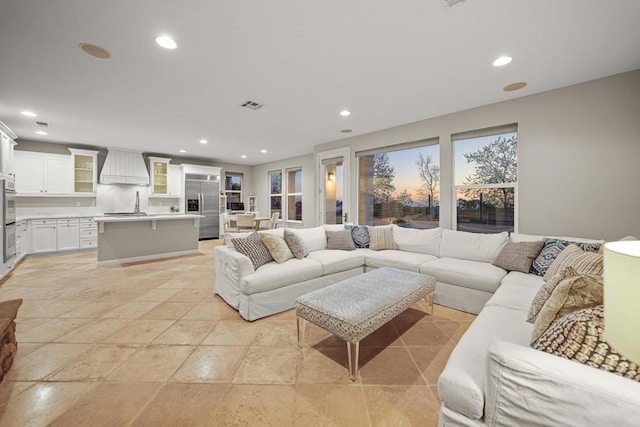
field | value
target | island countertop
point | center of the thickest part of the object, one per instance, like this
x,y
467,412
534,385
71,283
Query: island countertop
x,y
150,217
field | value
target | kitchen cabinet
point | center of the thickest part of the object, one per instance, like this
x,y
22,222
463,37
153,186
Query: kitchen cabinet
x,y
85,170
22,240
67,234
44,235
6,157
201,170
43,173
88,233
166,179
174,181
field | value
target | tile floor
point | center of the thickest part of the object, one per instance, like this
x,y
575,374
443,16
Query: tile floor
x,y
149,344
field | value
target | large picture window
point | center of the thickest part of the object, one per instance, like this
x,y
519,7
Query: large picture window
x,y
233,188
275,193
400,185
294,195
486,177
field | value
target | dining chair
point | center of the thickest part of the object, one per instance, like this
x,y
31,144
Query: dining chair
x,y
245,222
274,220
226,221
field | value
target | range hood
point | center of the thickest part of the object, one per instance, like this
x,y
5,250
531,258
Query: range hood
x,y
124,167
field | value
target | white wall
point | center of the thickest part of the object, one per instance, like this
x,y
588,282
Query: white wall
x,y
578,156
261,185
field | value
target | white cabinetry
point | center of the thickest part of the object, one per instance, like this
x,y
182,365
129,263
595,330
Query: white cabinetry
x,y
174,181
85,170
43,235
166,179
43,173
68,234
124,167
202,170
6,157
22,240
88,233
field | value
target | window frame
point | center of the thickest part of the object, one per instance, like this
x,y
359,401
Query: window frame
x,y
288,193
238,192
269,173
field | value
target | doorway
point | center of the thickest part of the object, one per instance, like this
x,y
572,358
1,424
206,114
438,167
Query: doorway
x,y
333,177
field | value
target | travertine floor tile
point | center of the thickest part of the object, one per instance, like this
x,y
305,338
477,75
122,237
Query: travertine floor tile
x,y
131,310
94,331
324,365
244,405
330,405
401,406
388,365
269,365
424,333
95,364
431,361
211,310
232,332
169,311
210,364
154,363
139,332
185,332
43,361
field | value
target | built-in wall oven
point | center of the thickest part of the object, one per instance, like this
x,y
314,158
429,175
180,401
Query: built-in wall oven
x,y
8,220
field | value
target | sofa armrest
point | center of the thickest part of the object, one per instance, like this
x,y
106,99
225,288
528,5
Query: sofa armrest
x,y
524,386
231,267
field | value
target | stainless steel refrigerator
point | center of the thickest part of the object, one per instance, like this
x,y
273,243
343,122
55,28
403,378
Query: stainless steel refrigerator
x,y
202,196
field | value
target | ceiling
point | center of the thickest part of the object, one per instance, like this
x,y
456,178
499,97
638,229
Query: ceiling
x,y
388,62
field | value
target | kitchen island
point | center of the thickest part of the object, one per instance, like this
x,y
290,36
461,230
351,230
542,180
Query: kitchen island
x,y
133,238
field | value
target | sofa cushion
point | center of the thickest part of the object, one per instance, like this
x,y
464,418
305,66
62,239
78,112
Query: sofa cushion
x,y
277,247
518,256
470,274
516,291
472,246
272,275
582,261
574,292
253,248
335,261
381,237
579,336
410,261
461,384
340,240
313,238
416,240
334,227
360,235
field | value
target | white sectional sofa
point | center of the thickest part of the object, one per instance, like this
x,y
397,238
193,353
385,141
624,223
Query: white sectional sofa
x,y
460,262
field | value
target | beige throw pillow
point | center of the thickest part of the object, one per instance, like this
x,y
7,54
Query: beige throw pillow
x,y
277,247
583,262
296,244
572,293
545,292
518,256
381,238
340,240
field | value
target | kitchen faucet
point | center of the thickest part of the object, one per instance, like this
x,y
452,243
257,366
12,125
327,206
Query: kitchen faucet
x,y
136,209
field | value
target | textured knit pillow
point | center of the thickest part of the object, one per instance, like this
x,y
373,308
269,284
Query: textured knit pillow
x,y
578,336
518,256
253,248
277,247
296,244
552,248
340,240
360,235
582,261
571,294
381,237
545,292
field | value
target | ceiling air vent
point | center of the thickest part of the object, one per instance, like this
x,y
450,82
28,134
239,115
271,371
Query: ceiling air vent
x,y
450,3
252,105
43,124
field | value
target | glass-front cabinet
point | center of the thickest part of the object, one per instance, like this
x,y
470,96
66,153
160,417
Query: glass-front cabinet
x,y
85,170
159,172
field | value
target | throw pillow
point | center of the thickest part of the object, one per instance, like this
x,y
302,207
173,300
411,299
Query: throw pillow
x,y
360,235
296,244
381,237
581,261
578,336
545,292
552,248
340,240
277,247
518,256
253,248
571,294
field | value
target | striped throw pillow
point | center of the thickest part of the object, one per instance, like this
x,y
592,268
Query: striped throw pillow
x,y
381,237
582,261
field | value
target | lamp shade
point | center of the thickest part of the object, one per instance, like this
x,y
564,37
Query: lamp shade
x,y
622,298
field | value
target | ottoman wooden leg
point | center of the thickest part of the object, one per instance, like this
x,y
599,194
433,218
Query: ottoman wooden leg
x,y
301,327
429,300
353,359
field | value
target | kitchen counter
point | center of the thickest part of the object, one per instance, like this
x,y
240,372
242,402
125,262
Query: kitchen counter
x,y
123,239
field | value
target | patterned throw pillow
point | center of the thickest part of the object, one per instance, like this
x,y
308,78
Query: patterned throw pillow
x,y
277,247
571,294
518,256
545,292
552,248
253,248
381,237
296,244
340,240
578,336
582,261
360,235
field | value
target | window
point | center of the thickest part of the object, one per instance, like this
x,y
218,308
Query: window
x,y
486,176
275,193
400,185
233,189
294,195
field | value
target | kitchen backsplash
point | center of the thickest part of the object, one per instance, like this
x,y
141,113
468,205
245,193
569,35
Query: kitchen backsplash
x,y
109,198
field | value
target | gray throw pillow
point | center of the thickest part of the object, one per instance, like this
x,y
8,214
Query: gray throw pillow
x,y
518,256
296,244
253,248
340,240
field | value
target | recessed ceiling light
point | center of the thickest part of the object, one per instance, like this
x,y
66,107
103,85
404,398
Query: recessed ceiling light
x,y
41,132
514,86
28,113
244,156
346,131
263,151
183,151
166,42
95,50
503,60
203,141
345,113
